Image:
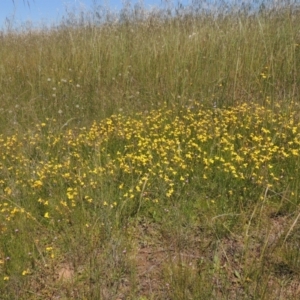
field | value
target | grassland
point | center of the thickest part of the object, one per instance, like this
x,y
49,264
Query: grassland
x,y
154,158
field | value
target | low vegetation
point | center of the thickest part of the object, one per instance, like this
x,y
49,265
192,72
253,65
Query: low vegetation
x,y
153,157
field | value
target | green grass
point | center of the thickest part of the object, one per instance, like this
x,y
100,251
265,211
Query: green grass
x,y
151,159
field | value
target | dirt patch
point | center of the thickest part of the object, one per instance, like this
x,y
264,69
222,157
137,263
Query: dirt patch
x,y
65,272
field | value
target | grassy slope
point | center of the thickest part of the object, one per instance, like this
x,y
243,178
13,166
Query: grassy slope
x,y
156,159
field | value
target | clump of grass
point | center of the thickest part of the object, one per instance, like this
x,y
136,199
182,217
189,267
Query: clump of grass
x,y
152,157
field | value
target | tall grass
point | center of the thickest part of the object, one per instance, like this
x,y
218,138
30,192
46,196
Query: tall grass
x,y
89,72
153,157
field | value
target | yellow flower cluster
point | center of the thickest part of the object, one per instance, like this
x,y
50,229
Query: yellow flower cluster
x,y
152,156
